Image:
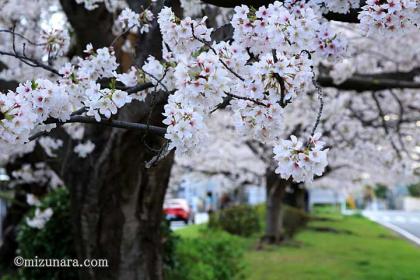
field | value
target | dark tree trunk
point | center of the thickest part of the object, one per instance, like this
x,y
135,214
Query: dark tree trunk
x,y
298,197
301,197
117,202
119,218
276,187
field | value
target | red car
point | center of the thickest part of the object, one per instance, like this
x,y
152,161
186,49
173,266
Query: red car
x,y
177,209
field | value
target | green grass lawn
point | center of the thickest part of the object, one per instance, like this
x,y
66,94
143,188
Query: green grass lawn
x,y
358,249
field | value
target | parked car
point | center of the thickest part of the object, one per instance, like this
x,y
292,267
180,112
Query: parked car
x,y
177,209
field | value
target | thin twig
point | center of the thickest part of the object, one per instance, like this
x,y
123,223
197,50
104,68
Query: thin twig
x,y
215,52
384,124
321,105
12,32
32,62
247,99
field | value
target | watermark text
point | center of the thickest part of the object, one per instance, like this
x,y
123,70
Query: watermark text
x,y
40,262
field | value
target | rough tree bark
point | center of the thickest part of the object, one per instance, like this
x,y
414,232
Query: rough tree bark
x,y
276,188
117,207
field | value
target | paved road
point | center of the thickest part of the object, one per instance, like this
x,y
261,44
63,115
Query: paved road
x,y
404,223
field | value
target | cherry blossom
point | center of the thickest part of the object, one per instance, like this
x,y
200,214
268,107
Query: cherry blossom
x,y
49,144
266,69
41,217
84,149
302,162
40,173
388,17
129,20
56,42
32,200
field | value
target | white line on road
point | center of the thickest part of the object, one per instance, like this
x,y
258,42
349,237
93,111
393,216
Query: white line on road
x,y
395,228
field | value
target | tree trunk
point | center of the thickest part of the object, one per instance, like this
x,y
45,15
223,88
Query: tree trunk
x,y
276,187
298,197
301,198
117,202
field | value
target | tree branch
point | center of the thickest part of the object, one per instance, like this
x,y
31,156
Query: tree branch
x,y
31,62
361,83
105,122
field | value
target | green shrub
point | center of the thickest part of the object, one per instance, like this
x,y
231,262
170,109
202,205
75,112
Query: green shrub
x,y
54,241
213,256
294,219
169,241
381,191
414,190
9,277
242,220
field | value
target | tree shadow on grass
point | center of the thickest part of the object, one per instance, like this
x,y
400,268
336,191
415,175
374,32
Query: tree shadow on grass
x,y
330,230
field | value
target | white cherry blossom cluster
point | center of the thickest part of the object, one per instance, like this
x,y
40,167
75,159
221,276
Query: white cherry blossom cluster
x,y
325,6
129,79
84,149
329,44
101,63
191,7
111,5
389,16
75,131
340,6
90,4
33,102
162,76
299,161
40,218
39,173
16,118
56,42
178,34
32,200
106,102
268,65
201,85
258,122
273,28
342,71
203,79
282,76
186,128
291,30
130,20
384,17
50,144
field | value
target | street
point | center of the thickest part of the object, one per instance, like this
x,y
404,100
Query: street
x,y
404,223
